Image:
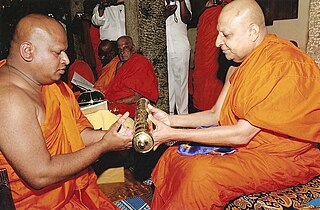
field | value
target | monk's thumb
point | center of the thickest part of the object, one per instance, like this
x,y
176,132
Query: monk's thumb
x,y
123,118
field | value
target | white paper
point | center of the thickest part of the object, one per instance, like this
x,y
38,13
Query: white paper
x,y
82,83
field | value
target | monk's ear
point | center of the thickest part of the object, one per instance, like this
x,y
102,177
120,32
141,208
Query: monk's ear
x,y
254,32
26,51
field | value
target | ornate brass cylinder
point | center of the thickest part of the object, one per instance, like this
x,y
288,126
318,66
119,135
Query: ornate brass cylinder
x,y
142,139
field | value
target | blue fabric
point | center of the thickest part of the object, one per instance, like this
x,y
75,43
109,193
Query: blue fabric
x,y
190,150
314,202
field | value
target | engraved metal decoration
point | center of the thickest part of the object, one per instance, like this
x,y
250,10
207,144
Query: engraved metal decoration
x,y
142,139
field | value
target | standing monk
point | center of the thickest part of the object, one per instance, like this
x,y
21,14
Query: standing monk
x,y
47,145
207,86
268,110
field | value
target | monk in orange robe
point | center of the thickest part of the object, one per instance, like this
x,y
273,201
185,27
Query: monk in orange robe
x,y
109,58
268,111
47,145
134,79
206,85
109,72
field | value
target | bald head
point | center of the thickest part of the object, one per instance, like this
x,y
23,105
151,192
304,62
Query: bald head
x,y
35,26
241,28
246,10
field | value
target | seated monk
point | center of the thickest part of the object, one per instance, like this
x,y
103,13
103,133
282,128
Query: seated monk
x,y
47,145
268,112
108,54
134,79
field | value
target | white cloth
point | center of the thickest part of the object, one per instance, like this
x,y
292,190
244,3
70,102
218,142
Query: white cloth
x,y
111,23
178,55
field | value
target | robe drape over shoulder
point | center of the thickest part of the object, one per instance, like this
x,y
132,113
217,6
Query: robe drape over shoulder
x,y
135,76
276,89
206,85
108,73
61,130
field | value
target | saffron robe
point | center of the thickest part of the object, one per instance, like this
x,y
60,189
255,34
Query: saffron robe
x,y
83,69
276,89
61,130
108,73
206,85
136,75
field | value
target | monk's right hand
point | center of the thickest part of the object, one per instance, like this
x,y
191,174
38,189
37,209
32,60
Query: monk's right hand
x,y
118,137
159,114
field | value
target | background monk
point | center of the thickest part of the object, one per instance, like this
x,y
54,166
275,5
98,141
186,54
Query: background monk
x,y
46,143
134,79
108,54
268,110
207,86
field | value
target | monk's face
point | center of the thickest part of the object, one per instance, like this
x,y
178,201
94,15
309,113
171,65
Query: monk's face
x,y
106,53
234,37
126,49
49,57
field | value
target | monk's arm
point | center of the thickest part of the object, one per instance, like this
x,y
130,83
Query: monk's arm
x,y
130,99
238,134
23,145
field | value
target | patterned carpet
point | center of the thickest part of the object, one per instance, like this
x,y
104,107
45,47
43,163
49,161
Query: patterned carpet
x,y
136,203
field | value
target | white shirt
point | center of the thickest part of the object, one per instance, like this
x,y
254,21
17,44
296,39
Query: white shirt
x,y
112,22
176,30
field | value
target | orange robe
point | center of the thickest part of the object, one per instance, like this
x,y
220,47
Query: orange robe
x,y
206,85
135,76
61,130
82,68
108,73
276,89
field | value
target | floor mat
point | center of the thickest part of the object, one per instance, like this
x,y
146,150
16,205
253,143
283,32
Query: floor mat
x,y
136,203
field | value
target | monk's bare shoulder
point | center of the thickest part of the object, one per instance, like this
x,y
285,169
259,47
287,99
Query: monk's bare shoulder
x,y
16,103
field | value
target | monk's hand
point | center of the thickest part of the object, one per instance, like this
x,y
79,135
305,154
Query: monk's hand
x,y
159,114
161,133
118,137
123,130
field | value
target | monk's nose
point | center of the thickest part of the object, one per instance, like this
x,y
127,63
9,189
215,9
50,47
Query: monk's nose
x,y
219,41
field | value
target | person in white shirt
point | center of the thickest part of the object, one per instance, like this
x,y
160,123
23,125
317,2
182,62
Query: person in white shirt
x,y
109,15
178,13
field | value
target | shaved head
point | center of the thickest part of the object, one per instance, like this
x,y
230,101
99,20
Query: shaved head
x,y
241,27
34,26
248,10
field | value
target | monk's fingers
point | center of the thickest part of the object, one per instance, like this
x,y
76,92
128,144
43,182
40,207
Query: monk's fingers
x,y
123,118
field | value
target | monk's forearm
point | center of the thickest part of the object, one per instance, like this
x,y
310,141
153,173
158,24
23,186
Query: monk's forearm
x,y
194,120
220,136
61,167
90,136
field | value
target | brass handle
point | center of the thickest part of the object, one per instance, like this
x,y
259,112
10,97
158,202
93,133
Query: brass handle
x,y
142,139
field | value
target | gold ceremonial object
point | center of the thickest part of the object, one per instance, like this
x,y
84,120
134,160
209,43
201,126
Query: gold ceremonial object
x,y
142,139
